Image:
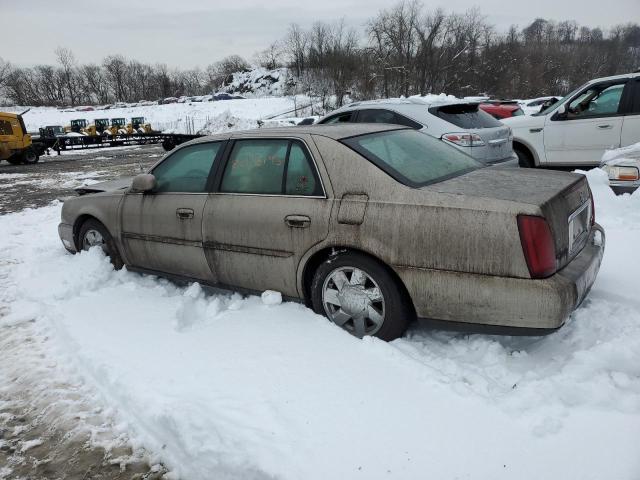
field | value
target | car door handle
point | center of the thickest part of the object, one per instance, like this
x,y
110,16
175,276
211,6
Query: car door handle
x,y
297,221
605,127
184,213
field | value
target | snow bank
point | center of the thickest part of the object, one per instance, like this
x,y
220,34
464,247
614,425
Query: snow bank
x,y
175,117
229,387
622,155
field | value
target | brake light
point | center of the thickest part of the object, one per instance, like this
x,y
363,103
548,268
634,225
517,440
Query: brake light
x,y
464,139
537,246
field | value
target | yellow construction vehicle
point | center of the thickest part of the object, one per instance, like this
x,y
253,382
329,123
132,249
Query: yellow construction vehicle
x,y
77,126
138,125
118,127
15,143
98,127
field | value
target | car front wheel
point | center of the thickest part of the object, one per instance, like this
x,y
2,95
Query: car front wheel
x,y
94,234
360,295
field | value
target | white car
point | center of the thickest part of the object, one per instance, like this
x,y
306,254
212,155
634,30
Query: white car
x,y
459,123
603,114
623,167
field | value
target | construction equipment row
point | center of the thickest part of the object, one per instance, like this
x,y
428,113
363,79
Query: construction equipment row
x,y
18,146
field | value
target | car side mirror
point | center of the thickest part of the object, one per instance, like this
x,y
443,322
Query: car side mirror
x,y
143,183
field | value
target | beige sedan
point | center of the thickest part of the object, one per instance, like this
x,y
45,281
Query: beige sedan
x,y
370,225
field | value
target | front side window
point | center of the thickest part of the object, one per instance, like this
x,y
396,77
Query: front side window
x,y
411,157
270,167
597,100
187,170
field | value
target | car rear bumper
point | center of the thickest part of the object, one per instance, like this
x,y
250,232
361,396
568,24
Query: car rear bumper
x,y
506,301
66,236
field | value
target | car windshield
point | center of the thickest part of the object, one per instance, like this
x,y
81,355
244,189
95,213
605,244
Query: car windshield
x,y
412,158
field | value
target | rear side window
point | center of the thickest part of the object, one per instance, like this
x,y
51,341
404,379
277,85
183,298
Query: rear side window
x,y
339,118
466,116
187,170
270,167
386,116
411,157
517,112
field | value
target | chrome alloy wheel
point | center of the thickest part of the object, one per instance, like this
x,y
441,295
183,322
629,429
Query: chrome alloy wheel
x,y
353,301
92,238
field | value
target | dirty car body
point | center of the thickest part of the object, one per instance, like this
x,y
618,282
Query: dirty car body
x,y
458,242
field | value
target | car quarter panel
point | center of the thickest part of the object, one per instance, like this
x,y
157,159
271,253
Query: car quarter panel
x,y
422,227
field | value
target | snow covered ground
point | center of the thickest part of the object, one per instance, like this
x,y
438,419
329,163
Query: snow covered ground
x,y
220,386
175,117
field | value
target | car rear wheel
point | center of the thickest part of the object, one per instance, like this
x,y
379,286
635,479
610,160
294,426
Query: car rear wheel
x,y
94,234
358,294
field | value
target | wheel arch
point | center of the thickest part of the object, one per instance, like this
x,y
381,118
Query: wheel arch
x,y
525,146
313,260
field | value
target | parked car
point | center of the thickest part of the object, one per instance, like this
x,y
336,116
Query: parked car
x,y
226,96
623,168
170,100
461,124
535,105
602,114
370,225
500,109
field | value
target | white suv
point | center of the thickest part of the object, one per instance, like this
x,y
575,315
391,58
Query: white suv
x,y
459,123
601,115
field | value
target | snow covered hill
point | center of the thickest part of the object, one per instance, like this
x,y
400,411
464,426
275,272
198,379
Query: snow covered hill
x,y
220,386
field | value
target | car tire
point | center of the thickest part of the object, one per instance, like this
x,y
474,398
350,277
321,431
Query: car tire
x,y
93,233
524,158
30,156
360,295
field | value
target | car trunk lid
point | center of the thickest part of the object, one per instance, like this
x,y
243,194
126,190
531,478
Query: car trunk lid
x,y
564,200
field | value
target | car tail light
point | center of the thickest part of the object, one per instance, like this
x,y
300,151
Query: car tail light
x,y
537,245
464,139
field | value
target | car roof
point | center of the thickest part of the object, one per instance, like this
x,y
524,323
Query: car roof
x,y
615,77
336,132
427,100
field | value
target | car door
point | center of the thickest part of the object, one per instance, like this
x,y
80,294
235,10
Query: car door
x,y
631,123
269,209
162,229
591,124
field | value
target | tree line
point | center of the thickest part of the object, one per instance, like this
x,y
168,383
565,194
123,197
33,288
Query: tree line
x,y
404,50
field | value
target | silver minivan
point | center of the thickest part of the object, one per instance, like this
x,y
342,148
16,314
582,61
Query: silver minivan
x,y
459,123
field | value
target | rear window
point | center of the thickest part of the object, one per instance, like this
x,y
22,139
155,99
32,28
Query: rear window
x,y
517,112
464,115
411,157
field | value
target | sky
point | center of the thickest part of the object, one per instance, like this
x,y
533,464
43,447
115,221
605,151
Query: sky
x,y
189,33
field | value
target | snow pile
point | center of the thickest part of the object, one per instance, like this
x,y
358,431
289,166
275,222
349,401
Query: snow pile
x,y
260,82
251,388
175,117
622,155
431,98
226,122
